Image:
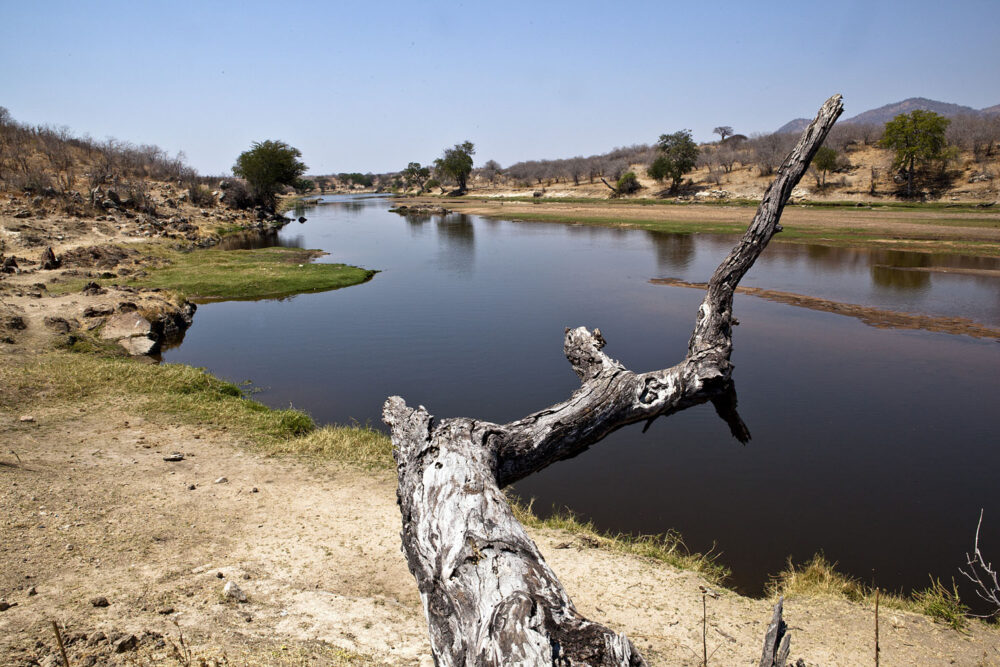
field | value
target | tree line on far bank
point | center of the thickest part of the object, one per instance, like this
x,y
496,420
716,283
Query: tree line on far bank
x,y
923,144
52,161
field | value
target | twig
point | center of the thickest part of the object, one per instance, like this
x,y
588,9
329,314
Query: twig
x,y
62,649
877,649
705,593
988,590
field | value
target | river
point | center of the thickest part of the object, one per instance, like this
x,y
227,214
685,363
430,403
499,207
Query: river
x,y
877,447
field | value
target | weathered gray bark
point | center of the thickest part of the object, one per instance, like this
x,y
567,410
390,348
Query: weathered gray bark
x,y
488,594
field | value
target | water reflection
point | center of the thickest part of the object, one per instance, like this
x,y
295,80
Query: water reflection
x,y
256,240
674,252
457,237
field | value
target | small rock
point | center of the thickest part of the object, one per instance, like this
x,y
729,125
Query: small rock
x,y
176,456
88,660
99,601
221,480
302,219
231,590
4,605
49,260
96,638
57,324
98,311
191,487
32,592
219,575
93,289
255,490
26,419
166,611
127,643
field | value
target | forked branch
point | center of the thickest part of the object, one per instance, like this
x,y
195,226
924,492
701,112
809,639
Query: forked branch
x,y
488,594
982,573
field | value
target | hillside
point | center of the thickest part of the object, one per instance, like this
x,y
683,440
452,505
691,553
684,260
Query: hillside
x,y
885,113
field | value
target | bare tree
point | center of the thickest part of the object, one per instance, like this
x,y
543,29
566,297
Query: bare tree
x,y
768,149
976,134
488,594
723,131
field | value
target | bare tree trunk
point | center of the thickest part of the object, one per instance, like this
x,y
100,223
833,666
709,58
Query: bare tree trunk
x,y
488,594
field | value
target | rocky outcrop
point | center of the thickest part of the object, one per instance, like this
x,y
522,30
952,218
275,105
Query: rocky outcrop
x,y
140,335
425,209
133,332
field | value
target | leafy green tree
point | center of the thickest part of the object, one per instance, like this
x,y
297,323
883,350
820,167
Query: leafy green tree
x,y
266,167
823,162
456,163
918,138
678,155
303,185
414,174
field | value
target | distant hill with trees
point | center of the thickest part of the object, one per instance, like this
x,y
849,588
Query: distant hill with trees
x,y
884,114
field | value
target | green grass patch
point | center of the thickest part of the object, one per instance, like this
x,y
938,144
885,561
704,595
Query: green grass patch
x,y
666,548
187,394
266,273
227,275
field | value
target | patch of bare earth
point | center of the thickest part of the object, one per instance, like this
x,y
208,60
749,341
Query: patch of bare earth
x,y
91,509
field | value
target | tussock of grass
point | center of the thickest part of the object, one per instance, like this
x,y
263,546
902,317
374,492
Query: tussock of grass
x,y
667,548
818,578
360,445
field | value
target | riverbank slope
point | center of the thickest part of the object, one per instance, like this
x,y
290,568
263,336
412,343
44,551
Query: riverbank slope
x,y
95,511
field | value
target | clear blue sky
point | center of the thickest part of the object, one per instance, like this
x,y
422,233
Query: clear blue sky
x,y
370,86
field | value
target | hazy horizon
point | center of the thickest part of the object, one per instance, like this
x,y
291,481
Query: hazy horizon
x,y
360,91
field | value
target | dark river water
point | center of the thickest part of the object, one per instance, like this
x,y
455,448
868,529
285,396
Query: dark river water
x,y
877,447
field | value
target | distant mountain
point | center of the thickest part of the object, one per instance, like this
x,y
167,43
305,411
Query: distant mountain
x,y
796,126
886,113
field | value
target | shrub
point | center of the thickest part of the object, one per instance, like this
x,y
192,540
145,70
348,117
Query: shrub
x,y
200,196
238,195
628,183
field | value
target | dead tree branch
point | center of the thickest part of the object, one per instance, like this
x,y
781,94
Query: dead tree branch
x,y
488,594
983,575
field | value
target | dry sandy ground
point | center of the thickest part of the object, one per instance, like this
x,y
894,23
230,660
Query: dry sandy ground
x,y
90,509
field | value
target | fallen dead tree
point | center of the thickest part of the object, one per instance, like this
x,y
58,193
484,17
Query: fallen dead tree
x,y
488,594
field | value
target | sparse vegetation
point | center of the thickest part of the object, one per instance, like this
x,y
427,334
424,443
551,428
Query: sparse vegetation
x,y
666,548
819,578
